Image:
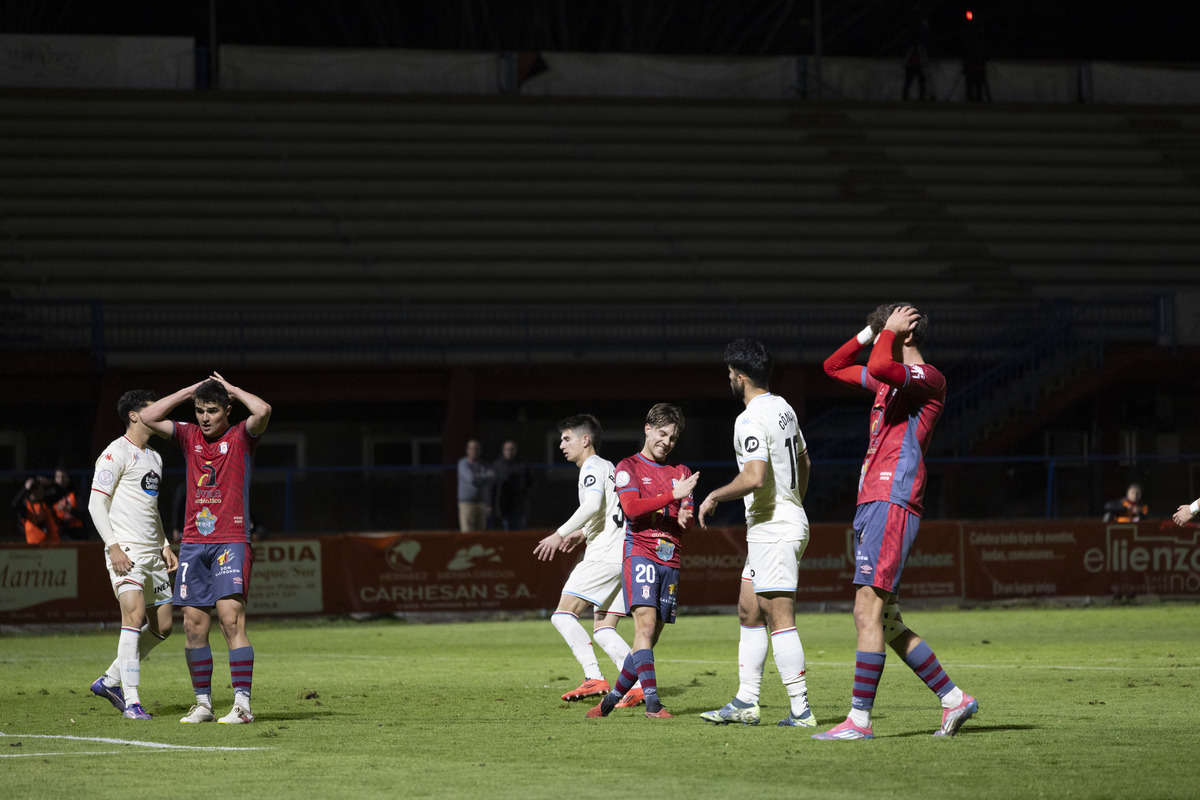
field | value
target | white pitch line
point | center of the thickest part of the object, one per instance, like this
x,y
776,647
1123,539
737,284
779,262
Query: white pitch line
x,y
106,740
80,753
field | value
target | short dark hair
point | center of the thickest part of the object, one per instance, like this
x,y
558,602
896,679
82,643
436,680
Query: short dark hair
x,y
134,400
212,392
664,414
878,318
752,359
584,423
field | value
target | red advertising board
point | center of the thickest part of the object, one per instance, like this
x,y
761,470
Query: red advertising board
x,y
440,571
1048,559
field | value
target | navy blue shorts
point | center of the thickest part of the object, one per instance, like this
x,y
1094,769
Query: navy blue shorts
x,y
885,533
209,572
648,583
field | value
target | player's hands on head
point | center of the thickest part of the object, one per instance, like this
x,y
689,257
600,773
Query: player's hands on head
x,y
685,486
903,320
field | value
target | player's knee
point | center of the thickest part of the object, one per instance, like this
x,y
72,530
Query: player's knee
x,y
894,629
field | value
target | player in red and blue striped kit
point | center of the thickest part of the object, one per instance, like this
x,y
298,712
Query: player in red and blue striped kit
x,y
215,554
909,397
656,498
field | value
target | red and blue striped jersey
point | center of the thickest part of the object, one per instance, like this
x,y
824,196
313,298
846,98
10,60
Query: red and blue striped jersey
x,y
909,399
218,483
655,534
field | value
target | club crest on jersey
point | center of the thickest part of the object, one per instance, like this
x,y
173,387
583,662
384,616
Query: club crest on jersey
x,y
206,522
223,447
645,592
622,478
105,478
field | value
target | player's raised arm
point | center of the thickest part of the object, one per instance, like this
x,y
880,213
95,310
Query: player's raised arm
x,y
155,415
841,367
260,410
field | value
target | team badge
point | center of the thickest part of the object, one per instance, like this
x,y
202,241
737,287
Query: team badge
x,y
223,447
622,478
183,592
645,592
105,478
206,522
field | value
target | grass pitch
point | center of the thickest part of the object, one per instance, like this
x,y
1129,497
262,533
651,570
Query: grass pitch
x,y
1074,703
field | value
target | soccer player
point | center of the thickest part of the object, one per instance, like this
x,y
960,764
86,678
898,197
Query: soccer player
x,y
657,503
215,555
596,580
909,397
773,466
124,509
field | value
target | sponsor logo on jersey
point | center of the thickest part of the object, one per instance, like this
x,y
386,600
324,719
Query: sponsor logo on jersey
x,y
865,569
622,478
206,521
226,557
108,457
150,483
665,550
918,371
590,480
209,478
751,444
105,478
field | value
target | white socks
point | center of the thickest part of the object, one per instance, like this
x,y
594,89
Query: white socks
x,y
130,664
789,659
752,656
567,624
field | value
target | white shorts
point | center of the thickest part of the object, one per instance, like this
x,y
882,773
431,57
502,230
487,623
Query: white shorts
x,y
148,576
774,566
599,583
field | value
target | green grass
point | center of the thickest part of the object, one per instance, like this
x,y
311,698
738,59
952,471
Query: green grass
x,y
1074,703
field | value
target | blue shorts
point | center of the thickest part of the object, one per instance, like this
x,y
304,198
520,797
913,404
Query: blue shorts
x,y
648,583
885,532
209,572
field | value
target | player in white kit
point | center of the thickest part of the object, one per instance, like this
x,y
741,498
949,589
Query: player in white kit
x,y
596,580
773,461
124,509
